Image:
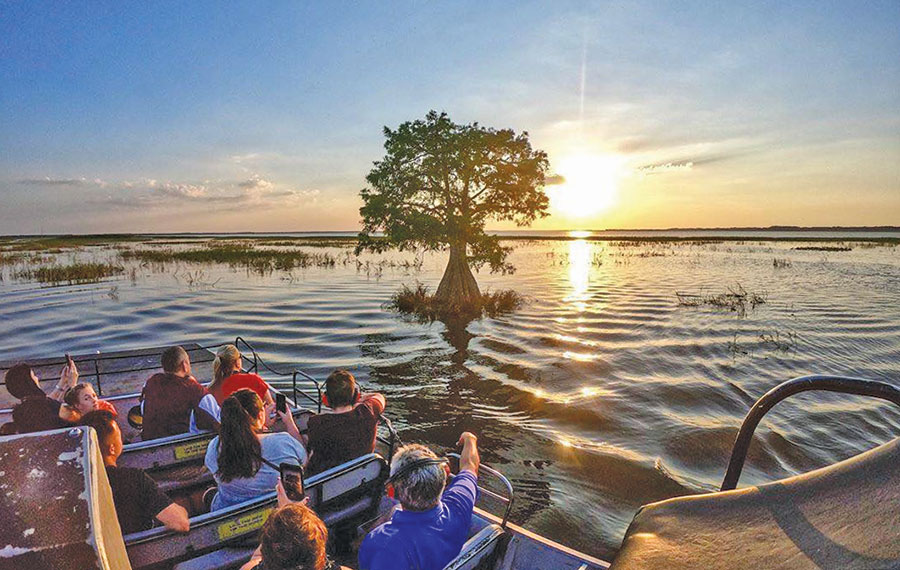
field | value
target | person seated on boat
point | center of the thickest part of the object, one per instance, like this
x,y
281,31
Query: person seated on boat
x,y
229,377
173,402
81,399
36,411
245,461
137,497
432,523
293,538
349,430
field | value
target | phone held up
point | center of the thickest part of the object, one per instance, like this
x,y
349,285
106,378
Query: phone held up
x,y
292,481
281,402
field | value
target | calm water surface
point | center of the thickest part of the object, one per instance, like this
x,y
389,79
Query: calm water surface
x,y
600,395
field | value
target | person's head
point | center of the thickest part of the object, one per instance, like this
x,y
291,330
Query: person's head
x,y
228,360
294,538
21,381
340,389
82,397
175,361
243,416
420,488
109,436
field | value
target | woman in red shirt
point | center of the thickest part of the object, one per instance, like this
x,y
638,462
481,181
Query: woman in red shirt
x,y
228,377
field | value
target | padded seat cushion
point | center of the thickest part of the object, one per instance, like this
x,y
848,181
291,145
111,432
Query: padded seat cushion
x,y
843,516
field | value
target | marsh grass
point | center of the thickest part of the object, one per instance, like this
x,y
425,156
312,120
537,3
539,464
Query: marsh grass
x,y
779,342
57,244
735,299
418,303
781,263
235,255
70,274
823,248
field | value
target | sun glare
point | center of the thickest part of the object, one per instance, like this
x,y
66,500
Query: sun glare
x,y
590,187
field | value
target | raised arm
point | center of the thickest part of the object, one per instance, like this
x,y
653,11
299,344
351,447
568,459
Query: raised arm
x,y
68,377
379,400
469,460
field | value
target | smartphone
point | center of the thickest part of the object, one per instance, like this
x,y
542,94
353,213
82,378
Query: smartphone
x,y
292,481
281,402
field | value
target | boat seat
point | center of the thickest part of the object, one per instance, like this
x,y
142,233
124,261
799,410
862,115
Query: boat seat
x,y
478,551
343,495
843,516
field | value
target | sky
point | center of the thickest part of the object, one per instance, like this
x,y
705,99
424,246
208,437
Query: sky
x,y
210,116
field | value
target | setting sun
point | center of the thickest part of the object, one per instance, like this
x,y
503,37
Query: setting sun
x,y
590,187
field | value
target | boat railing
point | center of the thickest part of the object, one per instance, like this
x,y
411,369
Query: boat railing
x,y
258,362
94,368
347,493
841,384
510,493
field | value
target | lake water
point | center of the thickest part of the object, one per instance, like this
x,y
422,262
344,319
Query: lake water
x,y
601,394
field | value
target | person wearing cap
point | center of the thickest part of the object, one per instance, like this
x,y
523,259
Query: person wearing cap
x,y
431,525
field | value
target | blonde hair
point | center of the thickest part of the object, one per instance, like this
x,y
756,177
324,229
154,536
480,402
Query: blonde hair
x,y
223,365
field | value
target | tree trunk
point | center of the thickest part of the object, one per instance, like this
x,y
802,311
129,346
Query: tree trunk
x,y
458,285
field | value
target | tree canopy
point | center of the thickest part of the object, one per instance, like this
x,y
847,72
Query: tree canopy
x,y
440,182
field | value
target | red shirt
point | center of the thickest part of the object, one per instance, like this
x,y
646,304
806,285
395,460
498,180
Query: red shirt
x,y
239,381
169,401
338,438
104,405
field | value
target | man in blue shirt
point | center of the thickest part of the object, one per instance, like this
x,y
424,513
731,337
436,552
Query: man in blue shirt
x,y
429,529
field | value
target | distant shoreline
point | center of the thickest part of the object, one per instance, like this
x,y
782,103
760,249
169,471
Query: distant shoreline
x,y
345,233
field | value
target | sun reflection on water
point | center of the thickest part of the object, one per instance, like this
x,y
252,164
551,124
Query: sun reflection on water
x,y
579,273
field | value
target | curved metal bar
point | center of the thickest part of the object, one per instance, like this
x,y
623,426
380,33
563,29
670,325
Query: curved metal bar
x,y
509,488
395,437
317,402
258,361
842,384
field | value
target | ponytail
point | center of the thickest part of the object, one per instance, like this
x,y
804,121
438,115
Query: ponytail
x,y
239,453
223,366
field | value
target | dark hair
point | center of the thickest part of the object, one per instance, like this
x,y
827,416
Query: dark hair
x,y
102,421
19,382
340,387
293,538
71,395
239,449
172,357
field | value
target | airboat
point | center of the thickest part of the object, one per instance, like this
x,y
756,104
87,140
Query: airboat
x,y
58,511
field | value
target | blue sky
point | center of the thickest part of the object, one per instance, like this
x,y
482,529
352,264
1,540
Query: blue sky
x,y
209,116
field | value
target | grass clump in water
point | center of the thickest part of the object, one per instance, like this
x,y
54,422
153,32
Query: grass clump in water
x,y
258,260
736,299
420,304
70,274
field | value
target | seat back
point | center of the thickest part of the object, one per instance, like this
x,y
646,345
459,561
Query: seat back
x,y
60,511
479,551
344,494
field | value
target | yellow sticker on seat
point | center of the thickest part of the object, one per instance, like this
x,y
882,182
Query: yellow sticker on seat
x,y
191,450
245,524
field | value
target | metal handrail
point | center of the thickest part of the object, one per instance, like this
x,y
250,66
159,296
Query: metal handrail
x,y
395,437
842,384
258,361
509,488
